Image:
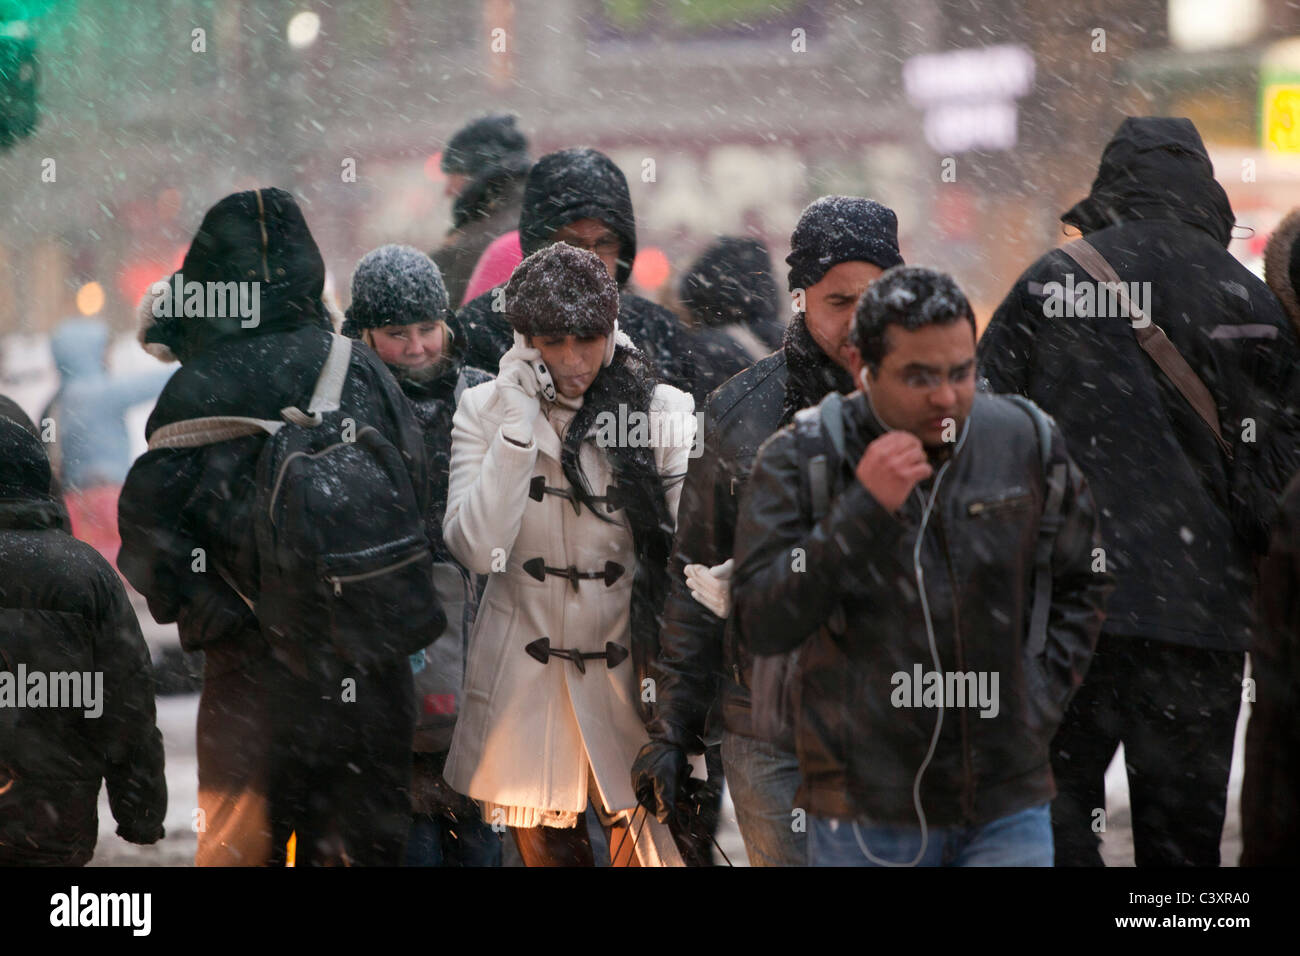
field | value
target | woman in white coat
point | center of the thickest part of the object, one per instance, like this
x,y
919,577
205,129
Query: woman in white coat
x,y
565,476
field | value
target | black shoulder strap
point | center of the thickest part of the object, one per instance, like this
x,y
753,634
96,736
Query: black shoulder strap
x,y
1055,476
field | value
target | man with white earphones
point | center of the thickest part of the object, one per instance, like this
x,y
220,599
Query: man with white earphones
x,y
930,551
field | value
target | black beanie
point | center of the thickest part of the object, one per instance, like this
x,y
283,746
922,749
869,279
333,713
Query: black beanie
x,y
730,282
395,285
837,229
488,141
561,290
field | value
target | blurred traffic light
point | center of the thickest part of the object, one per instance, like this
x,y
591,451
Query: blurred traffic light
x,y
18,109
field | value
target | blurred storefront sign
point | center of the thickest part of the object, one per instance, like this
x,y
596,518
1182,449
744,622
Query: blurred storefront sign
x,y
969,96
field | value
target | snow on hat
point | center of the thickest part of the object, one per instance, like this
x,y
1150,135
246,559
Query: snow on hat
x,y
837,229
395,285
561,290
485,142
1282,264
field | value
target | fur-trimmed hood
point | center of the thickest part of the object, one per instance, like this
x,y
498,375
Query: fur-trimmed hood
x,y
1282,264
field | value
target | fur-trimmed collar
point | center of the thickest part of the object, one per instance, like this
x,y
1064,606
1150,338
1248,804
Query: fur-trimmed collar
x,y
1279,254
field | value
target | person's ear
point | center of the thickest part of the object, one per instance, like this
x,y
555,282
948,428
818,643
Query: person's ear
x,y
368,336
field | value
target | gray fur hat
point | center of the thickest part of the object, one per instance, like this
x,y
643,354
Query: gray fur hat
x,y
561,290
395,285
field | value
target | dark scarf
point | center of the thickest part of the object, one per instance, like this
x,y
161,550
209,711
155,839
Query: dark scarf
x,y
811,373
630,380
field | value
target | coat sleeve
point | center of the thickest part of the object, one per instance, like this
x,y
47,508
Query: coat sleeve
x,y
1080,587
690,644
777,600
159,549
487,489
126,731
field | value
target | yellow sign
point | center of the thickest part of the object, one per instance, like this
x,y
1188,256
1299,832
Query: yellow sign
x,y
1282,118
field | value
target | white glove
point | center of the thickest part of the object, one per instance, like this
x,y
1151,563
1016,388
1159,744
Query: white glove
x,y
516,393
712,586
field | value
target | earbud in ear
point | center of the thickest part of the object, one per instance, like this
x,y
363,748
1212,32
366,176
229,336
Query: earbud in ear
x,y
862,377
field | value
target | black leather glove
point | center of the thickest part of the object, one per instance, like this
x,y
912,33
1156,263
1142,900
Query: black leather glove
x,y
658,773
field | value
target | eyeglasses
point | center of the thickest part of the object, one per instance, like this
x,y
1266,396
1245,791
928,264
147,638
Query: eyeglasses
x,y
606,245
919,378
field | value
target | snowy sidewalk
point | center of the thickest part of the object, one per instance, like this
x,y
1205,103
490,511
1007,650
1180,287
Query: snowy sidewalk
x,y
176,717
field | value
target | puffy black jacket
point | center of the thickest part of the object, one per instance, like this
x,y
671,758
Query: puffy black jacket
x,y
858,753
1181,527
64,610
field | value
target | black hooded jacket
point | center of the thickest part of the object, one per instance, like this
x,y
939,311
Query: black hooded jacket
x,y
698,653
177,500
63,610
859,748
1180,526
562,188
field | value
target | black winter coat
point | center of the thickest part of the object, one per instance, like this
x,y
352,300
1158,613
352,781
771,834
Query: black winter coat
x,y
858,752
1270,790
1180,527
699,654
63,609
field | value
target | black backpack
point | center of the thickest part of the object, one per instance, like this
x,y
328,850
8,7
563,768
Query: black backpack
x,y
344,561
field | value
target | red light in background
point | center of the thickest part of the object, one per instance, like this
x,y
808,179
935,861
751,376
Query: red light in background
x,y
651,268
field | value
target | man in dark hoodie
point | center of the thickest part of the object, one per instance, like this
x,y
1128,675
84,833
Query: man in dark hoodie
x,y
277,751
65,618
486,163
839,247
580,197
733,304
1184,514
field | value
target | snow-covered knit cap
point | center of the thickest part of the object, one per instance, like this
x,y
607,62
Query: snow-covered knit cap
x,y
837,229
561,290
395,285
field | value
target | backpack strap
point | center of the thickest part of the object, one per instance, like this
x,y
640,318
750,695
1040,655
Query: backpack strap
x,y
1154,341
813,427
329,386
326,396
1055,476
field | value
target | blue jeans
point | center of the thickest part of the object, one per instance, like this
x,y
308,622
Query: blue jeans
x,y
763,780
1019,839
436,840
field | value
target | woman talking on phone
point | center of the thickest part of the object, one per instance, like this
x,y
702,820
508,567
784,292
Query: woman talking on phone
x,y
565,476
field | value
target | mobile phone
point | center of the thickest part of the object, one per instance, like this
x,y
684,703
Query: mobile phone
x,y
545,383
